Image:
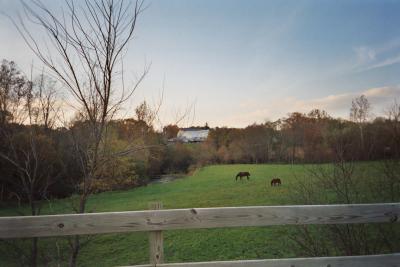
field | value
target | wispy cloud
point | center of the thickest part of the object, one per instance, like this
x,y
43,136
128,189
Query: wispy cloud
x,y
369,58
336,105
364,54
385,62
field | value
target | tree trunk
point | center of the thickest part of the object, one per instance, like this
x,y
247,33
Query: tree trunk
x,y
34,252
34,248
362,156
293,153
75,251
76,245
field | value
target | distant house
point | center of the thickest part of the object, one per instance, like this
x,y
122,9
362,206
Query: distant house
x,y
193,134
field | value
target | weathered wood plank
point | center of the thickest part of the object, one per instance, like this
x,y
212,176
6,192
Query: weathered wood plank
x,y
388,260
156,240
157,220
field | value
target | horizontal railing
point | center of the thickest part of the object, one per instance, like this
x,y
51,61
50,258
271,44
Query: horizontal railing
x,y
156,220
388,260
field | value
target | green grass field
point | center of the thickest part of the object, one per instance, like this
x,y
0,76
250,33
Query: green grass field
x,y
212,186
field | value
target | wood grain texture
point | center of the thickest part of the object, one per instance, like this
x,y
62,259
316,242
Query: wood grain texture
x,y
157,220
156,240
388,260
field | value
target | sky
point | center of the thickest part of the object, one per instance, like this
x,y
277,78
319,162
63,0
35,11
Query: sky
x,y
236,62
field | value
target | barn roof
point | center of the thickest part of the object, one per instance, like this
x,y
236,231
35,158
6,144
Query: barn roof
x,y
194,129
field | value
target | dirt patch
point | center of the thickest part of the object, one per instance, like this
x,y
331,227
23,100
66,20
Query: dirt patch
x,y
166,178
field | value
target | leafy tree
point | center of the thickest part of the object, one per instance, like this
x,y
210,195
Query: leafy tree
x,y
170,131
14,88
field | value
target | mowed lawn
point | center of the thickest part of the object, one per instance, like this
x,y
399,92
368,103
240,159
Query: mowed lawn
x,y
212,186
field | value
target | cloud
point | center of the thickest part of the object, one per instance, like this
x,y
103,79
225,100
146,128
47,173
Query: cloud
x,y
379,92
384,63
369,58
336,105
365,54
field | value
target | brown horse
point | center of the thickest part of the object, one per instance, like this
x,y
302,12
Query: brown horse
x,y
276,181
242,174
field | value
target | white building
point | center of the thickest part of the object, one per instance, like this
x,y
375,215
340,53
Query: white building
x,y
189,135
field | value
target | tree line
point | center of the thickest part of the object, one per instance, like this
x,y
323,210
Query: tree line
x,y
312,137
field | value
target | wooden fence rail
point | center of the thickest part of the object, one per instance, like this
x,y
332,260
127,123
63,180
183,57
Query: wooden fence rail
x,y
388,260
156,220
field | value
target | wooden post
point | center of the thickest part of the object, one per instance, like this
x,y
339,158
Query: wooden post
x,y
156,240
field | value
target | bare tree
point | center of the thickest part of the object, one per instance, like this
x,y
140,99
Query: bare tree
x,y
393,114
360,111
389,182
344,182
89,40
31,160
145,113
27,150
47,106
185,116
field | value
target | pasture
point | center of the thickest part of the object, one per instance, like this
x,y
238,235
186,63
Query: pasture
x,y
212,186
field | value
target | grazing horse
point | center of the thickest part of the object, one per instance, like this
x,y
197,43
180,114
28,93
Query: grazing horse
x,y
242,174
276,181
